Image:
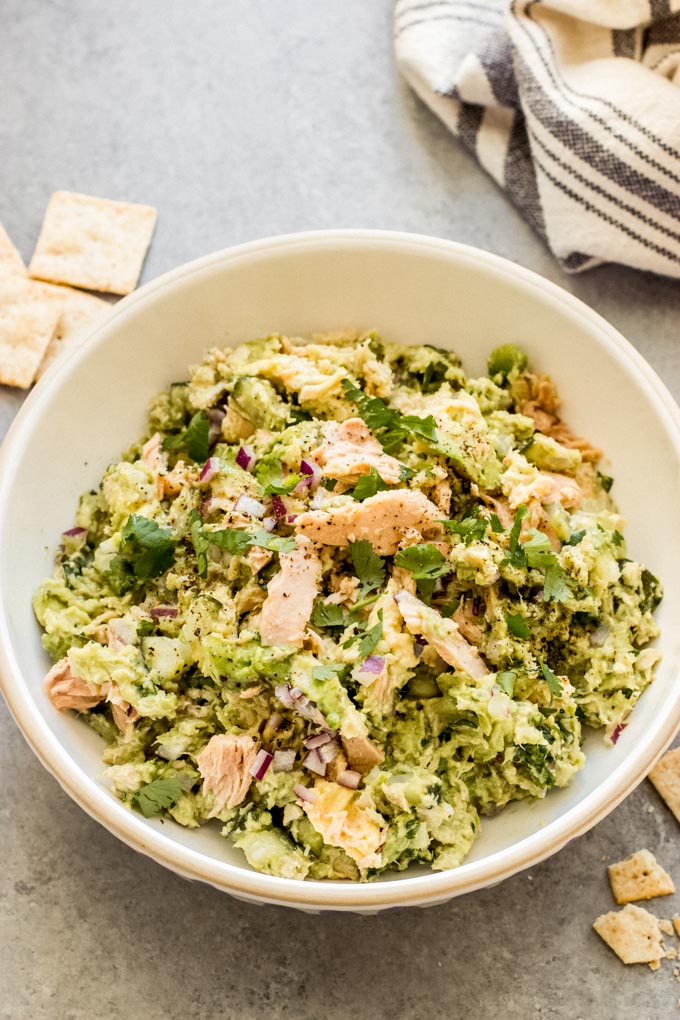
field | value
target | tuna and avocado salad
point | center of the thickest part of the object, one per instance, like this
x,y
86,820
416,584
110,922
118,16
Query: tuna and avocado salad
x,y
345,600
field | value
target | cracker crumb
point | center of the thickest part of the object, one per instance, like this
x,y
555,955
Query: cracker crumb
x,y
666,926
665,776
639,877
93,243
11,262
633,933
27,324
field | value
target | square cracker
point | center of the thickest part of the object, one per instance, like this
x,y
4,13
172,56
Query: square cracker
x,y
77,313
93,242
633,933
10,259
27,324
639,877
666,778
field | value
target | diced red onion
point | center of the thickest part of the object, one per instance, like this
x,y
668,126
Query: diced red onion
x,y
290,518
316,740
305,793
350,779
250,507
617,731
292,697
245,458
315,763
210,469
279,507
159,611
598,637
215,417
311,476
74,532
327,752
373,664
274,721
284,760
262,762
269,523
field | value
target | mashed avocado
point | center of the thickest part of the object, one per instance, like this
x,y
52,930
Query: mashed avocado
x,y
345,600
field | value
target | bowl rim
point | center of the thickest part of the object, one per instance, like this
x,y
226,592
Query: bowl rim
x,y
250,885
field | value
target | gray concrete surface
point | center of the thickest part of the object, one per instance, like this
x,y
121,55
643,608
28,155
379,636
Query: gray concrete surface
x,y
238,119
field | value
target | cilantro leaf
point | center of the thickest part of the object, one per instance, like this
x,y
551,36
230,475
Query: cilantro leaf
x,y
233,540
146,550
390,426
155,797
517,625
496,525
269,474
194,439
275,543
368,485
472,528
516,553
426,564
368,566
556,585
605,481
371,637
553,681
423,561
506,681
617,538
576,537
329,672
327,614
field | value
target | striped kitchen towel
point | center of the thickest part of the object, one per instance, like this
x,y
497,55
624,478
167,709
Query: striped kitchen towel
x,y
572,106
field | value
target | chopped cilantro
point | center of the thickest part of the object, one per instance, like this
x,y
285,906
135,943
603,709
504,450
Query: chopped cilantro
x,y
269,474
605,481
329,483
233,540
155,797
576,537
329,672
449,608
517,625
194,439
617,538
553,681
327,614
426,564
471,528
516,553
390,426
368,485
145,627
556,585
275,543
371,637
146,550
496,525
368,566
506,681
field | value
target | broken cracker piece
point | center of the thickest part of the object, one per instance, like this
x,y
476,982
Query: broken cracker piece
x,y
633,933
77,313
666,926
93,243
11,261
27,324
655,964
665,776
639,877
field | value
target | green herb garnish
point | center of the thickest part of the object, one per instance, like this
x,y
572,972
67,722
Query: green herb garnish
x,y
390,426
155,797
194,439
368,485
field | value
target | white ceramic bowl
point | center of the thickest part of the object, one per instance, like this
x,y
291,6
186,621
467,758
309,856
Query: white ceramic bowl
x,y
412,289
